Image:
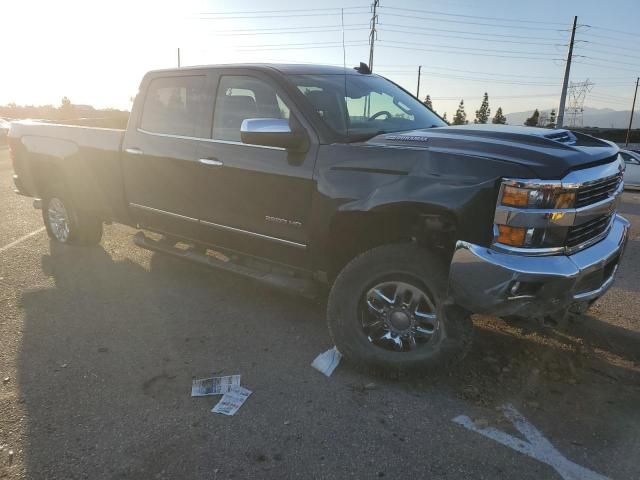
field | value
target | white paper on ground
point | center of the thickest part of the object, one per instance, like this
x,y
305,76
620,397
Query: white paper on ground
x,y
202,387
327,362
231,401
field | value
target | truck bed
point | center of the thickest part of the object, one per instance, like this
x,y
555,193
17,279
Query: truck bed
x,y
85,159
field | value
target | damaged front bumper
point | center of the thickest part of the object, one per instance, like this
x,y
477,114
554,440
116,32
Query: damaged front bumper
x,y
483,280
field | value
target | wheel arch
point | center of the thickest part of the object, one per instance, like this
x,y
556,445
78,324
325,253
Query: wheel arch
x,y
355,231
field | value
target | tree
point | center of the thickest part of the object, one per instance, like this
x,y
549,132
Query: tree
x,y
543,119
532,121
482,114
428,103
67,111
444,117
460,118
499,118
552,119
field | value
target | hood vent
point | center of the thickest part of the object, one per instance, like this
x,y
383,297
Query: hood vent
x,y
562,136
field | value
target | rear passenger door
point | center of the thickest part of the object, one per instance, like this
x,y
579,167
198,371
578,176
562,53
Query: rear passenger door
x,y
160,151
254,199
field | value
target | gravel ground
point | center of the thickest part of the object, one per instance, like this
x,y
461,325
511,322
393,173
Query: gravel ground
x,y
99,346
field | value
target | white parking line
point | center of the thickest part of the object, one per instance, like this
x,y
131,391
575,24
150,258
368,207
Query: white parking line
x,y
21,239
536,446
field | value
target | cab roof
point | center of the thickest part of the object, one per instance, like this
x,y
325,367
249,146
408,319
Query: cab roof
x,y
284,68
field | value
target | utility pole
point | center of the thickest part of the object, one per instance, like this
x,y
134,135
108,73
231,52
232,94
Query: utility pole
x,y
633,107
373,34
567,70
418,89
178,57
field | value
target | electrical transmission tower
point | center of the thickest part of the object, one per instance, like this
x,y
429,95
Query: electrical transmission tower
x,y
577,95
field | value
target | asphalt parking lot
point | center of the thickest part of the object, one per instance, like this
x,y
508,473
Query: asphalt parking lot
x,y
98,347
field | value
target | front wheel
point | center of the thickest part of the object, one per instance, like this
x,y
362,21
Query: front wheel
x,y
386,312
65,224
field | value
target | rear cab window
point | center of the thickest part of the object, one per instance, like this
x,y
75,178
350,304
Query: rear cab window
x,y
177,106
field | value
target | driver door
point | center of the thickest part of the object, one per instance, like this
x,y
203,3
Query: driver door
x,y
254,199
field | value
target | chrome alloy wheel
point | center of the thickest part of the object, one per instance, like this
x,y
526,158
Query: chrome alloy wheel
x,y
58,219
398,316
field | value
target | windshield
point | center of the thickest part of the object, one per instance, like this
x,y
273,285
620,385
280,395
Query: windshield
x,y
369,105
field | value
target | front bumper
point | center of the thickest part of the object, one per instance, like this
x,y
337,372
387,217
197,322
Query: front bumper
x,y
483,280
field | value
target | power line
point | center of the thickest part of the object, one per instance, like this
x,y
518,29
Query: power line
x,y
607,101
297,44
261,31
497,96
291,15
611,96
293,32
455,52
261,12
605,60
470,49
472,79
520,27
611,53
515,20
597,35
608,67
615,30
476,39
257,48
431,29
609,45
498,75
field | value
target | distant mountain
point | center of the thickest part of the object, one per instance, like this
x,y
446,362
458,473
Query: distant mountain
x,y
592,117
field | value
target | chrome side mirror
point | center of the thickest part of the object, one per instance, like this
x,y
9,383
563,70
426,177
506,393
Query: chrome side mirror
x,y
271,132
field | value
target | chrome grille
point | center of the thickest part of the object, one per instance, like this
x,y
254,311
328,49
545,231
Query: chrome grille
x,y
587,232
597,191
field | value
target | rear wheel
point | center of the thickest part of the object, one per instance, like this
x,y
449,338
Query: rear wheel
x,y
65,224
387,314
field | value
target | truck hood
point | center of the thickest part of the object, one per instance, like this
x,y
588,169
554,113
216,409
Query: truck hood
x,y
549,154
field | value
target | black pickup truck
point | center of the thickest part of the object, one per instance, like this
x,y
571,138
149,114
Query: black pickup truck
x,y
309,176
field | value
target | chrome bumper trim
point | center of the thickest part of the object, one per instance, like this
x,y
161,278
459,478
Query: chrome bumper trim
x,y
484,280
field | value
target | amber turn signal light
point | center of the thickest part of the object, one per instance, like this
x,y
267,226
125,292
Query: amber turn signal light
x,y
515,197
513,236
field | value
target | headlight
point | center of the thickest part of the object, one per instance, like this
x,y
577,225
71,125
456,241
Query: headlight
x,y
545,197
544,202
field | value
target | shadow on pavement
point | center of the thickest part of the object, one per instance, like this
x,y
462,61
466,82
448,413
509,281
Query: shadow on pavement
x,y
108,355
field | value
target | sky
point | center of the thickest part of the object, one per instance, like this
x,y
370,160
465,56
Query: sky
x,y
96,52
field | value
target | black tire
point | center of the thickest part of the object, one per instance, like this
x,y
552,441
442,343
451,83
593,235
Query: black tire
x,y
83,228
411,265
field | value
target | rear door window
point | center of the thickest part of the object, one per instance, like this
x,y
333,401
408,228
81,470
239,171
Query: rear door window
x,y
176,106
241,97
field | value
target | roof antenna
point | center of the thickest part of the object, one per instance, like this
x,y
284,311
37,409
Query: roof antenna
x,y
363,68
344,72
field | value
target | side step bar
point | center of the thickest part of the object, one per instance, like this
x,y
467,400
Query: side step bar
x,y
300,286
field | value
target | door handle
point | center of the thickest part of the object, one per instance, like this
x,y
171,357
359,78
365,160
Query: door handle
x,y
134,151
212,162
